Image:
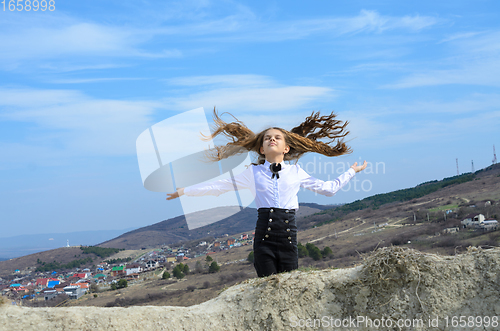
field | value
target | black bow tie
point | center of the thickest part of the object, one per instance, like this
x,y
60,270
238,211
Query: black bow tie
x,y
275,168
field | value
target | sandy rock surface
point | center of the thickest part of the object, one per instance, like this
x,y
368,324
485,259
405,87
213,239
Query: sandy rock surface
x,y
394,286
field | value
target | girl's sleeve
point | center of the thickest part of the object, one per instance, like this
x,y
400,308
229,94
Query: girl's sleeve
x,y
328,188
240,181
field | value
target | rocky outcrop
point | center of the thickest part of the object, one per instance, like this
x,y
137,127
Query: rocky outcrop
x,y
393,289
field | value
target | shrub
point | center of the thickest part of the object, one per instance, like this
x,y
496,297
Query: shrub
x,y
185,269
327,251
302,251
122,283
166,275
198,267
191,288
250,257
178,271
214,267
313,251
94,288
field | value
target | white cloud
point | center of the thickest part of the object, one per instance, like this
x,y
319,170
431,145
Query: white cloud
x,y
253,93
474,60
473,118
366,21
63,36
78,124
231,80
91,80
252,99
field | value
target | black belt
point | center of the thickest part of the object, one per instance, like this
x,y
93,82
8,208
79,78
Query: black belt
x,y
276,223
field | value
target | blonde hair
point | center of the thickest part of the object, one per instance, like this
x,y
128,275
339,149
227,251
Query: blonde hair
x,y
301,139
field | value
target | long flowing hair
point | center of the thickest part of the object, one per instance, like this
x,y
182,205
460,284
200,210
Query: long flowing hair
x,y
302,139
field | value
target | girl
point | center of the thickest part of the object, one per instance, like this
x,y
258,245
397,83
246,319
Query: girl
x,y
274,183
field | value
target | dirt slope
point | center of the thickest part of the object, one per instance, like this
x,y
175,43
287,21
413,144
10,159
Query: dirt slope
x,y
394,285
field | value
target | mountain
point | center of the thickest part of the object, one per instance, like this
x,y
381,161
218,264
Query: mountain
x,y
175,230
11,247
453,191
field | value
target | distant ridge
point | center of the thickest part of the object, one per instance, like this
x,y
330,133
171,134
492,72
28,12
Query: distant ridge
x,y
175,230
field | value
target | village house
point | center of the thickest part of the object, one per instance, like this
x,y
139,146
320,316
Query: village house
x,y
60,287
152,264
74,292
82,275
472,220
118,270
451,230
52,283
488,225
99,278
133,268
171,258
49,294
43,282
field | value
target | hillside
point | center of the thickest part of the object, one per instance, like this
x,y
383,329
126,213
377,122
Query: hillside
x,y
454,192
29,262
175,230
351,233
393,287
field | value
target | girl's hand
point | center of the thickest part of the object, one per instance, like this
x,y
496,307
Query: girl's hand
x,y
176,194
359,168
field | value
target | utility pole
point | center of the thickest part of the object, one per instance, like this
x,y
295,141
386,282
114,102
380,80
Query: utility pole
x,y
494,155
458,173
472,166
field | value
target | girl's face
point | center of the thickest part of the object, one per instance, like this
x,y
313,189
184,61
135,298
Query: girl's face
x,y
274,143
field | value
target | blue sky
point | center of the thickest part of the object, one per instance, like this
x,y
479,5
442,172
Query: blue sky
x,y
419,83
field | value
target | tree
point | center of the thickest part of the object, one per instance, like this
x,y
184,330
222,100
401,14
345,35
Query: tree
x,y
94,288
198,268
122,283
185,269
214,267
177,272
209,259
313,251
166,275
113,286
302,250
250,257
327,251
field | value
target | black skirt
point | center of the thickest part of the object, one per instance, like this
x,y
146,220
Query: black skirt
x,y
275,243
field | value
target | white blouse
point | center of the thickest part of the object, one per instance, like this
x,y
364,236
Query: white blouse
x,y
273,192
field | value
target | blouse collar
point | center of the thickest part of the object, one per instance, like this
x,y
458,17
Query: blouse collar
x,y
267,164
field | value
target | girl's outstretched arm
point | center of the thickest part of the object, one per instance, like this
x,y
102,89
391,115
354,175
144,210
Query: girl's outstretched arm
x,y
176,194
359,168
